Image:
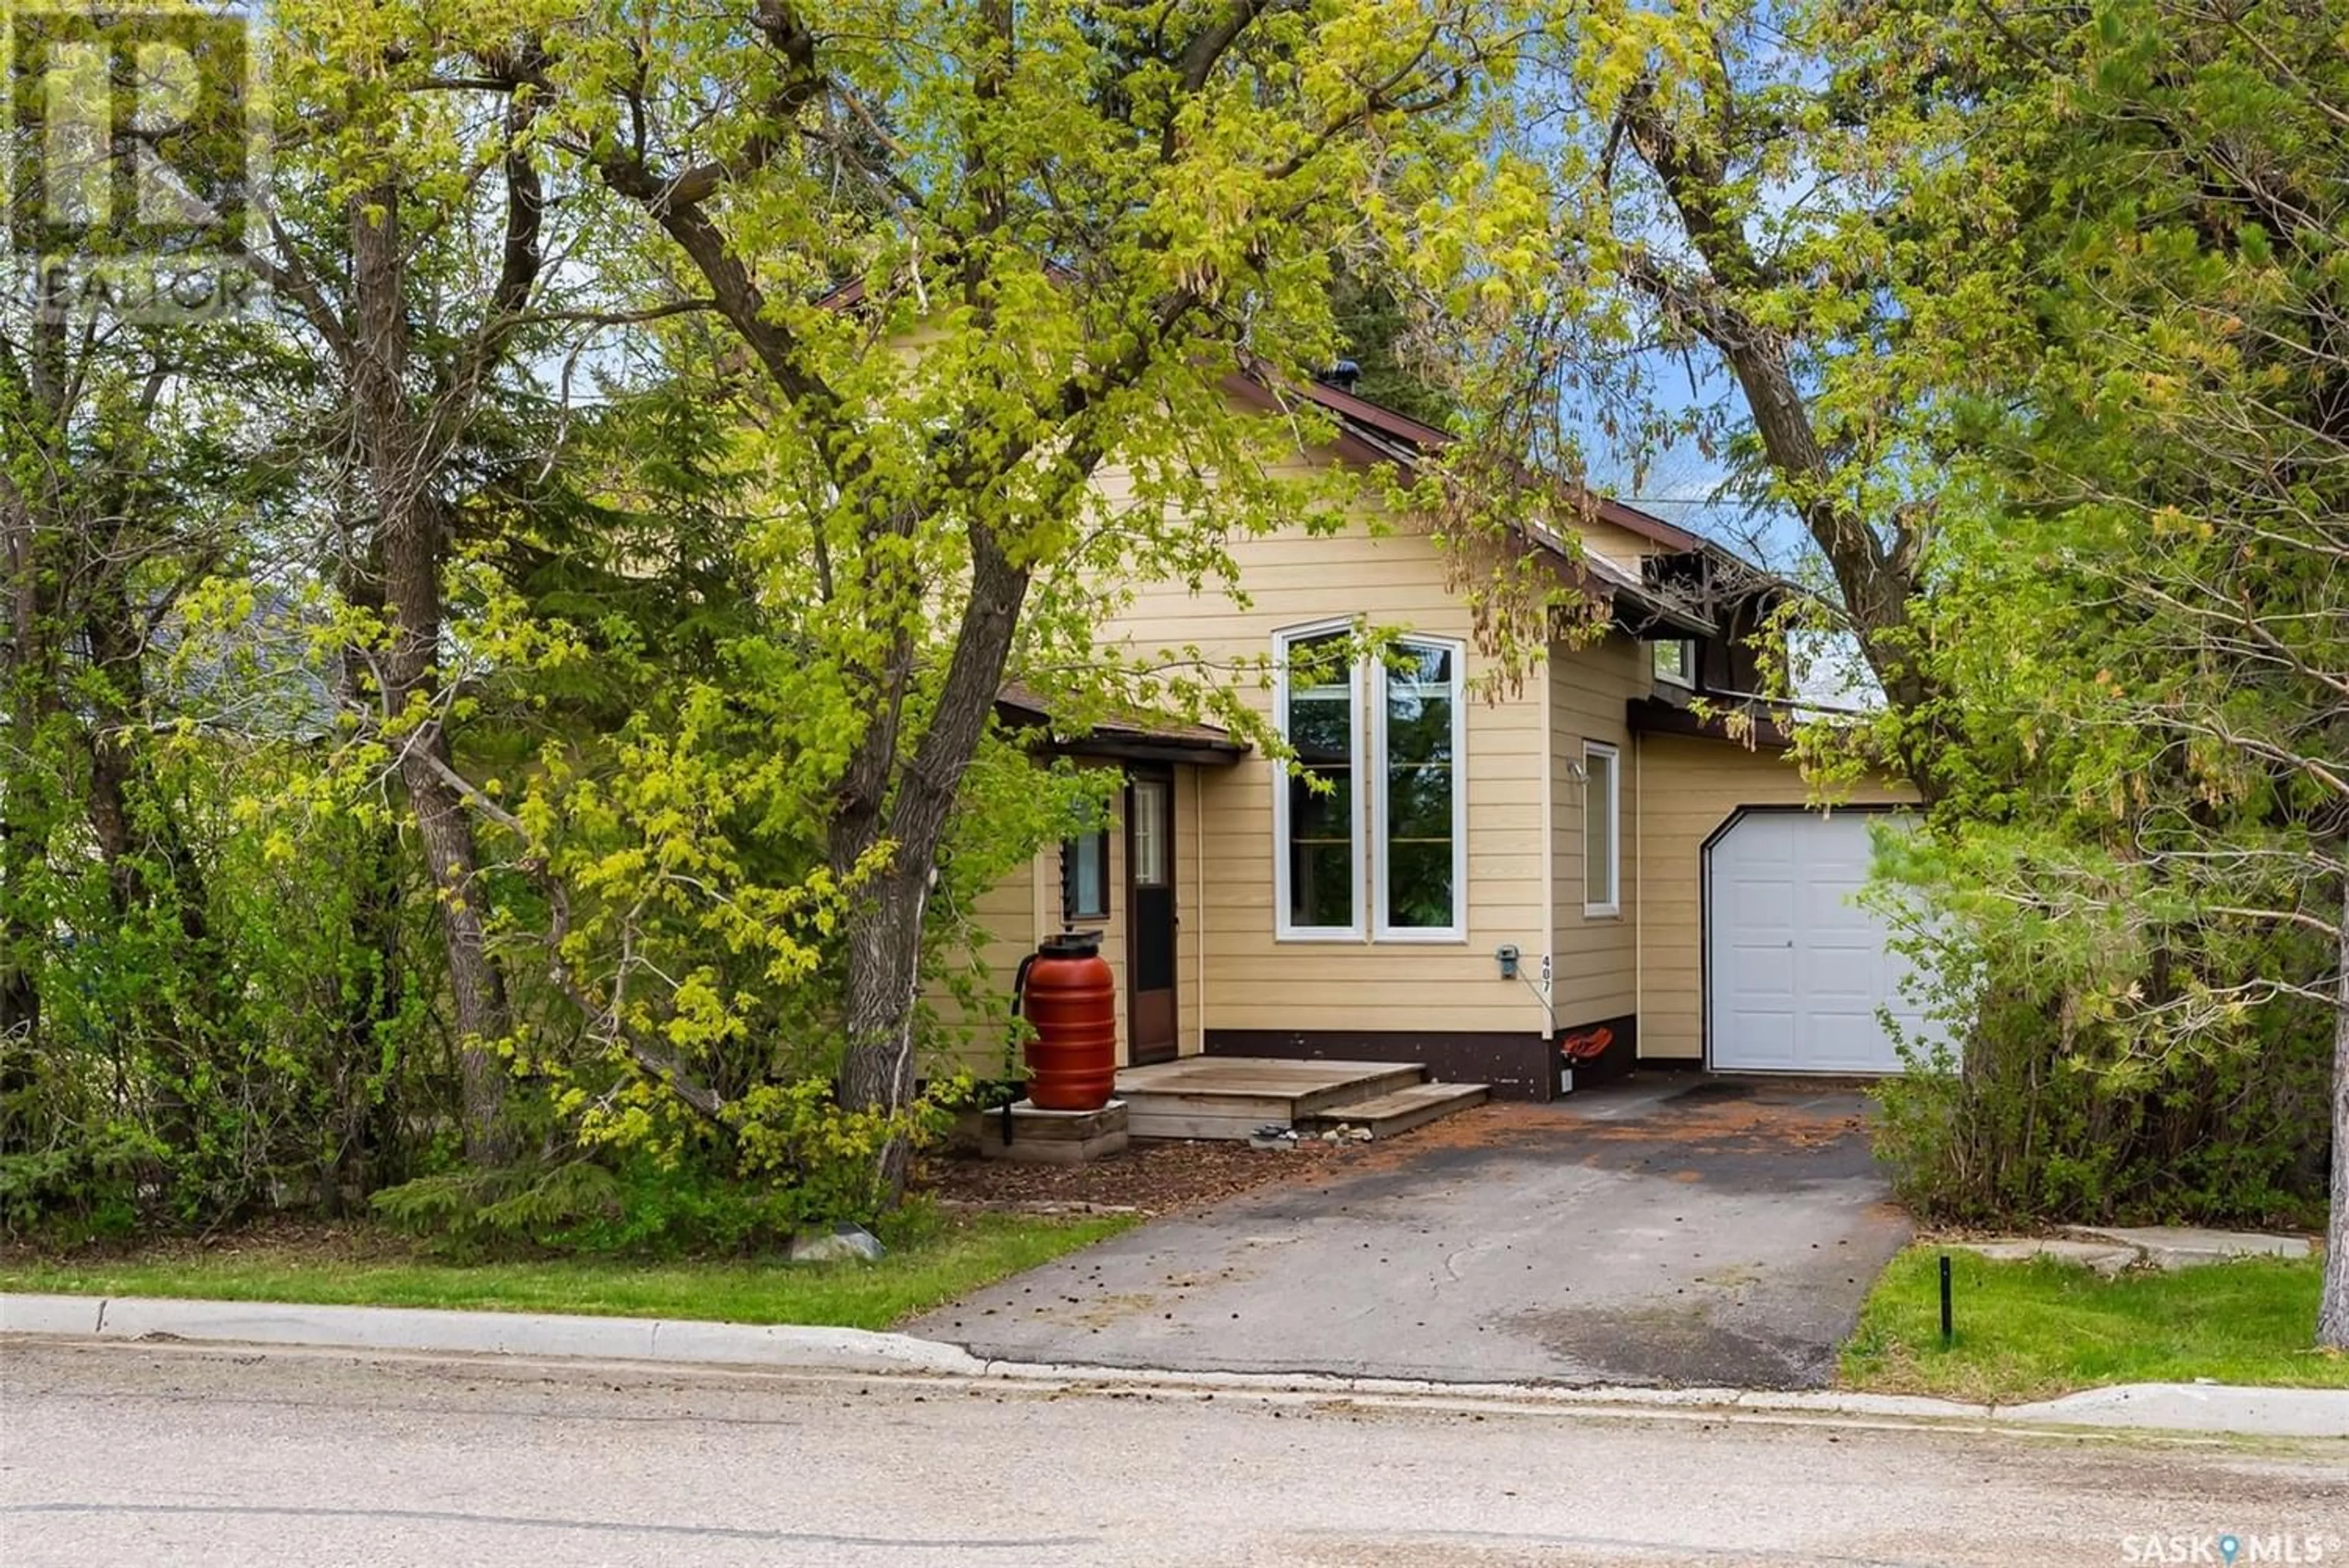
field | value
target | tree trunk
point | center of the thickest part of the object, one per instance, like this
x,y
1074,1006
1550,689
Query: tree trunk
x,y
413,538
2332,1307
474,984
369,1120
884,932
883,941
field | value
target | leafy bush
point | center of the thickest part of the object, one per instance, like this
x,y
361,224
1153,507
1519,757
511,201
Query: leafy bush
x,y
2073,1093
232,1019
656,1182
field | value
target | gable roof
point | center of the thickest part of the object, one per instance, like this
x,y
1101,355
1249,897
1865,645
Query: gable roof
x,y
1644,608
1352,407
1372,432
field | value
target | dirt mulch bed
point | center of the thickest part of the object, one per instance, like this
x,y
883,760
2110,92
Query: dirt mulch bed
x,y
1153,1178
280,1238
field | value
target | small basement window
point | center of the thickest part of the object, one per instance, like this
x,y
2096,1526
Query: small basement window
x,y
1084,877
1601,830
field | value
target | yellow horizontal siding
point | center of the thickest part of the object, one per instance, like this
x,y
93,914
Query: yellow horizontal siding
x,y
1524,872
1252,980
1594,956
1025,909
1006,916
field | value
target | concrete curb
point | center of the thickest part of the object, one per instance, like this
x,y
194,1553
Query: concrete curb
x,y
2210,1410
1522,1396
484,1333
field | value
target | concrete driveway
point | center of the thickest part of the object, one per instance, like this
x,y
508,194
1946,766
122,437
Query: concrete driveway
x,y
1670,1229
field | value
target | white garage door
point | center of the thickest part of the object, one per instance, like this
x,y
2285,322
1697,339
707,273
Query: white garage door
x,y
1796,968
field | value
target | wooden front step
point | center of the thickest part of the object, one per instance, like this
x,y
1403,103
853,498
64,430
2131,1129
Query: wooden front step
x,y
1232,1096
1400,1110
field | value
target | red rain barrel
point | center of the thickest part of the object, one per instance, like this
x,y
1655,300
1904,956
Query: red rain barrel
x,y
1070,996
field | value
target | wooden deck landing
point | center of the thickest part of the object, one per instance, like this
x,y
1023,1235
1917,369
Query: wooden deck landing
x,y
1232,1096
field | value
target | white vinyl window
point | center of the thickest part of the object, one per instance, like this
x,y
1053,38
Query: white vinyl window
x,y
1676,662
1084,877
1317,798
1419,863
1602,838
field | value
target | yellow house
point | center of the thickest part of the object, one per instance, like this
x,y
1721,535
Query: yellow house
x,y
1575,876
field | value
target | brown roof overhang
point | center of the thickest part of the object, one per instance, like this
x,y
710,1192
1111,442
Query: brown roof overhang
x,y
1127,737
1654,716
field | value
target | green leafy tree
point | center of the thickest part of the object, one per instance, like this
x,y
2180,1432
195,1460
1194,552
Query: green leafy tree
x,y
408,250
990,269
2138,606
1720,251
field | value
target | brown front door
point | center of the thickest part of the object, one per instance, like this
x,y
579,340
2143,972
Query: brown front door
x,y
1150,915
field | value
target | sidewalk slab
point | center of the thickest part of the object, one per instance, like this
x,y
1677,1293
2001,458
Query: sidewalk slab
x,y
812,1349
2197,1407
2104,1257
2186,1246
1840,1402
380,1328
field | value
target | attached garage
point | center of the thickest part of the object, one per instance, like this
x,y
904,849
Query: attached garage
x,y
1795,969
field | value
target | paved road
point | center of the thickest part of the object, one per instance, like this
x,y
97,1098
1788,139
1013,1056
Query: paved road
x,y
1673,1231
133,1455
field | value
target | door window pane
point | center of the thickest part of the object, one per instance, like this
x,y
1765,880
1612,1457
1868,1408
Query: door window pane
x,y
1150,833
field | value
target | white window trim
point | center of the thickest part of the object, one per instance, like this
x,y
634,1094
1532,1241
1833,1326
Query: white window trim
x,y
1283,929
1457,931
1613,907
1686,680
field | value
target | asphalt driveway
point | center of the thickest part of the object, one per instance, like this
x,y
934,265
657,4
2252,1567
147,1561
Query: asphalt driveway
x,y
1668,1231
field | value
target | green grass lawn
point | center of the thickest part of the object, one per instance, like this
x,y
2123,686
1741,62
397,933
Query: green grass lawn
x,y
960,1255
2031,1329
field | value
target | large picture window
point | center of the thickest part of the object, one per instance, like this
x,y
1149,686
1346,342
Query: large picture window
x,y
1421,846
1385,826
1317,803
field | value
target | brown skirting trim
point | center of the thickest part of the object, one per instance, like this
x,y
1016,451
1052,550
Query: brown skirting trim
x,y
1519,1066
